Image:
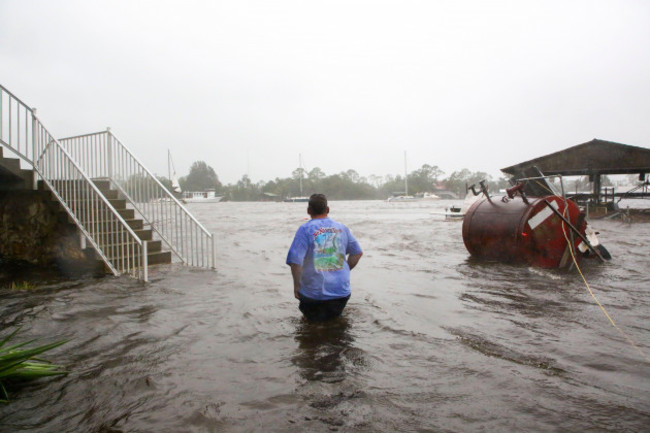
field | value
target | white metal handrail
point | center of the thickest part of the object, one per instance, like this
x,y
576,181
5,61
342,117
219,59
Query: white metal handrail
x,y
103,156
16,125
115,242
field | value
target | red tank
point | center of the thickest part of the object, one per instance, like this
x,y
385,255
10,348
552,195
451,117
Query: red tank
x,y
523,231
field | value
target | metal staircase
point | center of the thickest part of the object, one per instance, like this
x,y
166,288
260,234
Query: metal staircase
x,y
123,211
104,157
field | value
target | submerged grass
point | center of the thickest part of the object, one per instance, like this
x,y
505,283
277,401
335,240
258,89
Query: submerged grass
x,y
19,362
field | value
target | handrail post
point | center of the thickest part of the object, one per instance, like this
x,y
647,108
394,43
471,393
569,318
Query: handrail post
x,y
145,261
34,152
109,153
214,252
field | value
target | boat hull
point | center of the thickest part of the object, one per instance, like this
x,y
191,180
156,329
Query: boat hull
x,y
402,198
201,197
202,200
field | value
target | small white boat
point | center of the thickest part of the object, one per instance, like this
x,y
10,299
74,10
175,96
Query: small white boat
x,y
296,199
427,196
400,198
454,213
208,196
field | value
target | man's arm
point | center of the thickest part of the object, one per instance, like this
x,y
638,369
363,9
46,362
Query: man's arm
x,y
353,259
296,273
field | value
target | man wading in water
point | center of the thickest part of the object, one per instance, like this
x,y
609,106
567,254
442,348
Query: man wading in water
x,y
317,257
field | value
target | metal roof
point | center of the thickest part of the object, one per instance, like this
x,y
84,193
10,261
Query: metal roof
x,y
593,157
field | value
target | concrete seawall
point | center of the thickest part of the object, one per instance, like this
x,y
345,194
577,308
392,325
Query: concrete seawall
x,y
34,229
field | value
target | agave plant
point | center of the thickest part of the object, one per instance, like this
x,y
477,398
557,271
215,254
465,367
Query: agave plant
x,y
19,362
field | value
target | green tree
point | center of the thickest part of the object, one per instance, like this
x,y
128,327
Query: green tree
x,y
392,185
424,179
315,174
351,176
375,180
244,190
458,181
201,177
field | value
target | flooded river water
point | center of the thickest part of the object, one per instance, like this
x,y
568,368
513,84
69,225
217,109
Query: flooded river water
x,y
431,341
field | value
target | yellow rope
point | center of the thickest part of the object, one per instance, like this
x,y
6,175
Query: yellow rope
x,y
593,295
570,245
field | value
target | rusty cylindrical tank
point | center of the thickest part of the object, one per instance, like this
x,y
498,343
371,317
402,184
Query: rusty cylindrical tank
x,y
509,229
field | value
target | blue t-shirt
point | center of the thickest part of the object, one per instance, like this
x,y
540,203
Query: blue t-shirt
x,y
320,247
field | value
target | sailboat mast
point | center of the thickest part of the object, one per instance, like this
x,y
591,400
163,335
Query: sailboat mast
x,y
406,176
300,164
169,164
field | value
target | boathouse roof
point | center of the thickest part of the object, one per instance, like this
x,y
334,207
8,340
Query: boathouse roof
x,y
593,157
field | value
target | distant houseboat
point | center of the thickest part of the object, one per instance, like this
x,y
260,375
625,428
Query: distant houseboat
x,y
208,196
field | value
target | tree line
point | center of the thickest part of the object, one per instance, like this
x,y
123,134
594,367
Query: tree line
x,y
346,185
349,185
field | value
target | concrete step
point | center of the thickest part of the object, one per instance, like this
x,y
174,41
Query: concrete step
x,y
156,258
163,257
125,213
115,245
99,183
117,203
103,184
143,234
22,180
79,188
135,224
101,211
12,177
11,164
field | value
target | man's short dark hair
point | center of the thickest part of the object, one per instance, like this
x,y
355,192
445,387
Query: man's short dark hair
x,y
318,204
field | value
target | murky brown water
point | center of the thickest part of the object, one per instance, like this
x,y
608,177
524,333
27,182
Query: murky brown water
x,y
430,341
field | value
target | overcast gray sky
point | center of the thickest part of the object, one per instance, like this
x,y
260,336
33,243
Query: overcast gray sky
x,y
247,86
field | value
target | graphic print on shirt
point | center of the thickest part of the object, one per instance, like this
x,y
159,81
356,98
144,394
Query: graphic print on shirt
x,y
327,250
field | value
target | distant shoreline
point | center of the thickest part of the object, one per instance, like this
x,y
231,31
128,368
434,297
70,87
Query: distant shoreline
x,y
627,215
